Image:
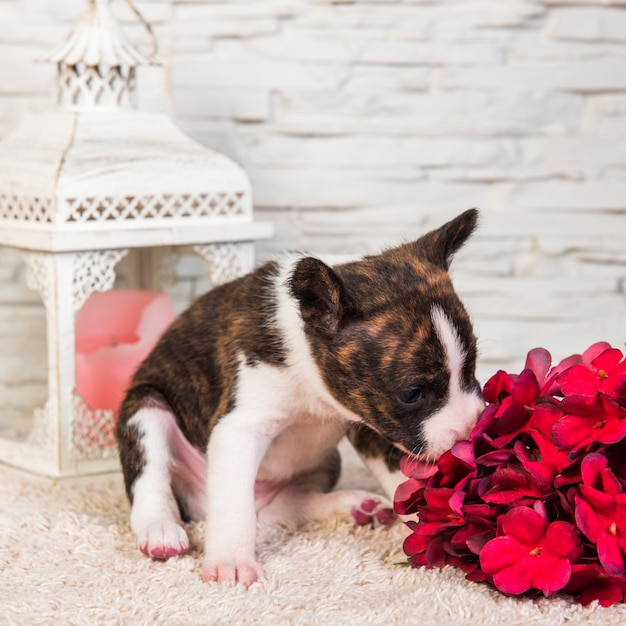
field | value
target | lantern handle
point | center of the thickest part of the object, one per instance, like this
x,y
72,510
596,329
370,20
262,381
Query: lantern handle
x,y
147,26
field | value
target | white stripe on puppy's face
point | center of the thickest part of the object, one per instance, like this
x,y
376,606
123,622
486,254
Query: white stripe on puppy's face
x,y
451,343
455,420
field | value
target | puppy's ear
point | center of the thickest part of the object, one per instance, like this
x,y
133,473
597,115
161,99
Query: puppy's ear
x,y
439,246
324,301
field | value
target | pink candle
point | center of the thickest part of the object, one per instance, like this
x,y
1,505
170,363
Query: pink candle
x,y
115,331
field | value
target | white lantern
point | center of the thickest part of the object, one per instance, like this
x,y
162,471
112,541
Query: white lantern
x,y
79,187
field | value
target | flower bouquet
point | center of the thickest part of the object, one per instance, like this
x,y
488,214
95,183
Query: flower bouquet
x,y
535,500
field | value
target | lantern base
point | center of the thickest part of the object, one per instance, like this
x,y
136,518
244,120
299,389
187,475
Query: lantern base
x,y
65,437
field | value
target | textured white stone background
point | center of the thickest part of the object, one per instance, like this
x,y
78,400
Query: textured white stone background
x,y
362,123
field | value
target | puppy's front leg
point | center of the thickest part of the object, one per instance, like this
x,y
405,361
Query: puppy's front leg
x,y
380,457
234,453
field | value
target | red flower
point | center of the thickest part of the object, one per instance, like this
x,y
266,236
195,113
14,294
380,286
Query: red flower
x,y
440,515
599,373
591,583
539,361
551,385
407,494
415,468
516,409
442,509
530,554
601,513
589,419
415,546
509,484
472,537
456,466
498,387
430,551
544,461
536,498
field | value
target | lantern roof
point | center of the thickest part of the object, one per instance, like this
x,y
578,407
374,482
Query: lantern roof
x,y
97,39
96,168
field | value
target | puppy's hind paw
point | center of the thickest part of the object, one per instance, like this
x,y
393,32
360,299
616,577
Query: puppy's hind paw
x,y
373,511
242,573
163,540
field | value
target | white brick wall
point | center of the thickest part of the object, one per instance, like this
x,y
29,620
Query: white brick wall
x,y
362,123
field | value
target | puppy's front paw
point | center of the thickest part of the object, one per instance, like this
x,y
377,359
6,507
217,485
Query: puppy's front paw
x,y
243,573
373,510
162,540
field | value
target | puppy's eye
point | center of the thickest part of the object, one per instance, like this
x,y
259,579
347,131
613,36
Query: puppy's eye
x,y
412,396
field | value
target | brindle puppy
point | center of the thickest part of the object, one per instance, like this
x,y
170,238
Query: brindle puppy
x,y
236,414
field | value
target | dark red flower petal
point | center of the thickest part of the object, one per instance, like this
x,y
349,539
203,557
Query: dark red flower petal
x,y
456,502
526,389
578,379
435,554
498,385
439,498
495,458
544,417
594,351
551,576
476,575
538,361
507,485
480,509
591,469
415,544
600,501
456,465
540,472
600,406
407,496
512,422
561,539
524,525
517,578
592,583
587,520
571,431
605,592
464,451
611,555
420,470
501,553
607,360
477,542
419,560
615,385
610,483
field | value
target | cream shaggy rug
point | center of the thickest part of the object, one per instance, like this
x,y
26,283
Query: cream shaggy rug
x,y
67,556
